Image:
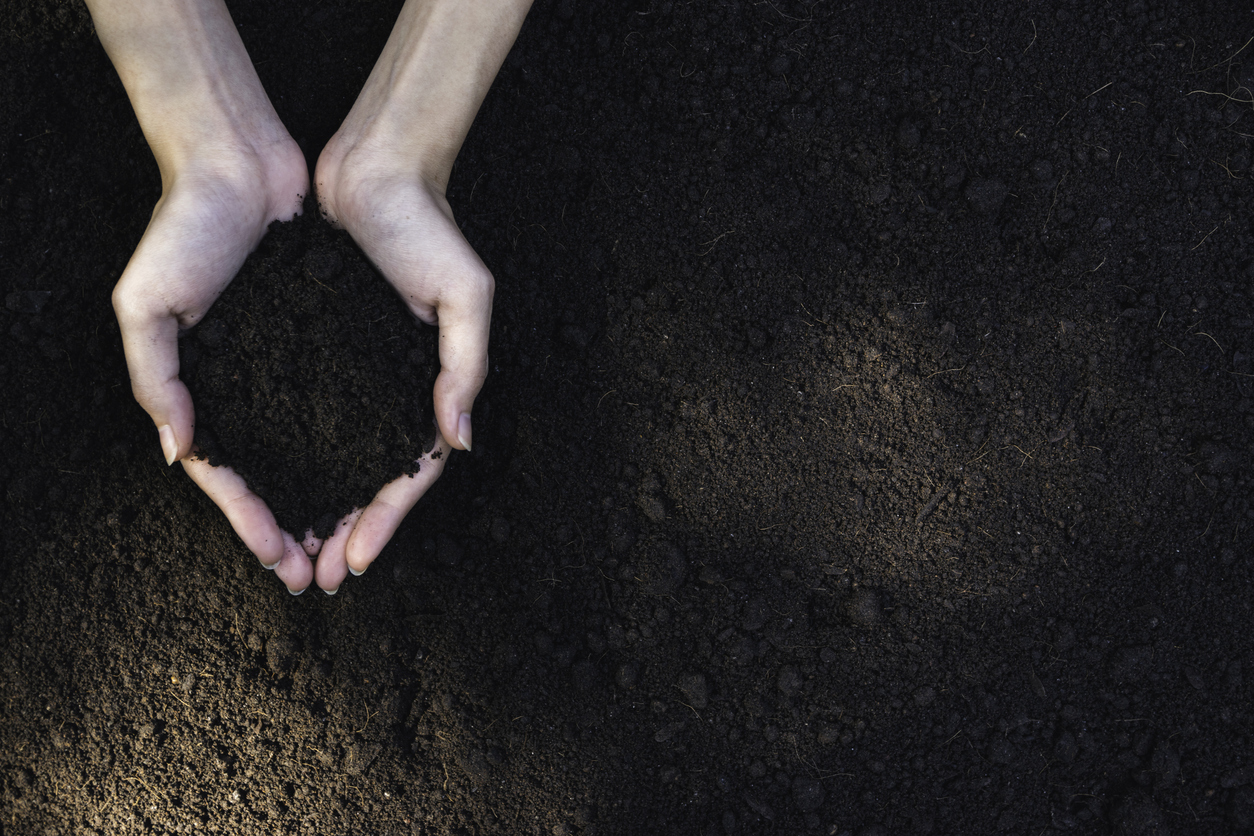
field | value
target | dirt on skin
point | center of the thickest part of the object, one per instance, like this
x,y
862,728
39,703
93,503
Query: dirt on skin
x,y
867,446
305,353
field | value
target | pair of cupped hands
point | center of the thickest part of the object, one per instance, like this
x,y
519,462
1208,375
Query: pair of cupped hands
x,y
214,209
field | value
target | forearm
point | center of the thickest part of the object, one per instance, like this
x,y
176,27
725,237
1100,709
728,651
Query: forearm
x,y
432,76
188,76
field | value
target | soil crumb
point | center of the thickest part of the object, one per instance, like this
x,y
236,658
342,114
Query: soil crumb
x,y
310,377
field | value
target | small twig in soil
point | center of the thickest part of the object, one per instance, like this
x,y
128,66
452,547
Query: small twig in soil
x,y
690,708
1226,60
369,716
1099,89
965,51
384,418
712,242
980,455
1212,339
333,290
1026,456
812,316
1203,241
1029,46
927,510
1225,168
1225,95
943,371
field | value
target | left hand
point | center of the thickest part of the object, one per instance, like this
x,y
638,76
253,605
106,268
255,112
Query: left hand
x,y
406,228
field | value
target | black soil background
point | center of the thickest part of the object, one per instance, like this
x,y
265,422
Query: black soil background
x,y
867,446
305,353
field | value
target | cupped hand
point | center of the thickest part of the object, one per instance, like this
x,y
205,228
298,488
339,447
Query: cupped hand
x,y
211,215
405,226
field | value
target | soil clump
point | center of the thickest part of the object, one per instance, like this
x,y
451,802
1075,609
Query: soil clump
x,y
310,378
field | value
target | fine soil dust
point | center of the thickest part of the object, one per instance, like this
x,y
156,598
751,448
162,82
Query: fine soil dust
x,y
310,378
866,447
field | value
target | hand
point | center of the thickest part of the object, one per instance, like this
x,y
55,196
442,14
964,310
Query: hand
x,y
405,226
382,177
211,214
228,169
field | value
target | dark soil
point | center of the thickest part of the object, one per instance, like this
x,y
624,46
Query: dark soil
x,y
311,379
867,447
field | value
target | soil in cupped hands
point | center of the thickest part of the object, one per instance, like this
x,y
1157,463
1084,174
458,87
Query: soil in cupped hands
x,y
310,377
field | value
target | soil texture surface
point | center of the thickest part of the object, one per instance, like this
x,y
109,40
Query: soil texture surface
x,y
310,378
868,445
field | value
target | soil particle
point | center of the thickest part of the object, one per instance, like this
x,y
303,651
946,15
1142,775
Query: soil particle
x,y
807,794
1138,815
27,301
695,688
986,196
627,676
281,655
863,608
1129,665
789,681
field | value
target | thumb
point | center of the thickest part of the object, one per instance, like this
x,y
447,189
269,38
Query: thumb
x,y
463,361
150,341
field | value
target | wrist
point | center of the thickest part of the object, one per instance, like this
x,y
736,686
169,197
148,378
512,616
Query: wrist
x,y
424,91
190,81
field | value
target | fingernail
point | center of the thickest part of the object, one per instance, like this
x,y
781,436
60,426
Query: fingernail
x,y
463,430
355,572
297,592
331,591
269,567
169,444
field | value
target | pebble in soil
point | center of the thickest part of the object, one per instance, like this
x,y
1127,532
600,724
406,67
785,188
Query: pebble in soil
x,y
310,377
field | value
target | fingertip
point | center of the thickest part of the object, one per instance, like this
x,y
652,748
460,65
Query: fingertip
x,y
331,569
455,427
261,536
360,553
368,539
294,569
173,413
311,544
454,398
169,445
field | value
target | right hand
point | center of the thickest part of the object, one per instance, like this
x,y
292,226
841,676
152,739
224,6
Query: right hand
x,y
211,215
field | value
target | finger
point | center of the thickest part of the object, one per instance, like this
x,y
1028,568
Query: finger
x,y
294,569
150,341
311,544
332,567
247,513
383,516
464,323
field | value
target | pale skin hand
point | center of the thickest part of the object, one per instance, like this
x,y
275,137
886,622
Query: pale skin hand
x,y
229,168
382,177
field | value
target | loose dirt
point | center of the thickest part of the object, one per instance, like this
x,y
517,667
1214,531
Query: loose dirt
x,y
311,379
866,447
